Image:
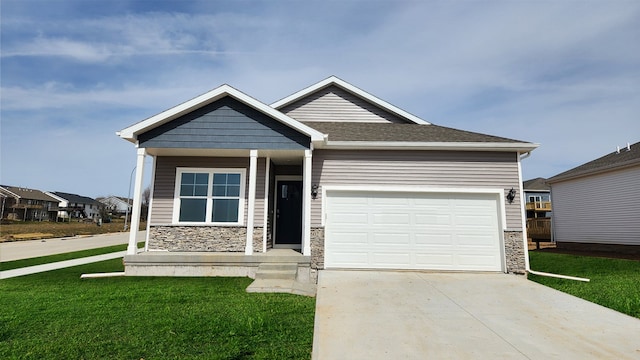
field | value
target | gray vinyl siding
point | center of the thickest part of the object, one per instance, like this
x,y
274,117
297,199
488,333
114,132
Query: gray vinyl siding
x,y
335,104
417,168
224,124
602,209
164,186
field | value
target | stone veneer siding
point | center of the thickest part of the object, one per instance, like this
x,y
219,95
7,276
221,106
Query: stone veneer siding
x,y
514,252
203,238
317,248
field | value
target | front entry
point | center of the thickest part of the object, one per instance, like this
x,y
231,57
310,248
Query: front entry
x,y
288,214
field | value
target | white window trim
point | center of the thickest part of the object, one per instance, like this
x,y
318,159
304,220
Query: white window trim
x,y
209,208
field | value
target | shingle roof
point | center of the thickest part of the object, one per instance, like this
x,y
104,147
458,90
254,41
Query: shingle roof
x,y
357,131
539,184
76,199
610,161
30,193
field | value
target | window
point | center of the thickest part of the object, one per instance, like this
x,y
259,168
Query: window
x,y
210,196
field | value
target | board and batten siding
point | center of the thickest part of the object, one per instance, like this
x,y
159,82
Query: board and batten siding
x,y
427,169
334,104
224,124
165,180
600,209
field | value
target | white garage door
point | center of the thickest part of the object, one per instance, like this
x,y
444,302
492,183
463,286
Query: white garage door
x,y
397,230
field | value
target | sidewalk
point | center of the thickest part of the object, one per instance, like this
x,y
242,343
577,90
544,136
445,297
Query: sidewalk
x,y
59,265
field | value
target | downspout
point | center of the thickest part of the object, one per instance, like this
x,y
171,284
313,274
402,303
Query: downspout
x,y
524,232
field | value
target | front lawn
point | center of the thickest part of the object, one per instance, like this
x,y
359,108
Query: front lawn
x,y
615,283
58,315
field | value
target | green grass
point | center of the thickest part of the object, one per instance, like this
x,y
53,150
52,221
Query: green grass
x,y
56,315
615,283
8,265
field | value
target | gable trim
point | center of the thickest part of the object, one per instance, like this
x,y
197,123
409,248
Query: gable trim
x,y
333,80
131,133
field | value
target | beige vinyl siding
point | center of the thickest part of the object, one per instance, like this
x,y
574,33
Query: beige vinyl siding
x,y
163,193
335,104
602,208
428,169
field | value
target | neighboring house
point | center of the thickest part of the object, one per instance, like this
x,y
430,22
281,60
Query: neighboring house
x,y
74,206
537,194
115,204
27,204
343,177
596,206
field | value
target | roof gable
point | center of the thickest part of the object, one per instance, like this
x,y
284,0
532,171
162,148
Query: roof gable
x,y
537,184
627,156
131,133
318,90
224,124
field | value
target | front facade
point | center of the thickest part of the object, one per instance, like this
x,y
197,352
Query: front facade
x,y
342,177
115,204
25,204
73,206
596,206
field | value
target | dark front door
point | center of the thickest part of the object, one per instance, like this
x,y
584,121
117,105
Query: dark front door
x,y
288,229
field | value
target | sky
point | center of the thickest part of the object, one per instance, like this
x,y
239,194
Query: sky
x,y
563,74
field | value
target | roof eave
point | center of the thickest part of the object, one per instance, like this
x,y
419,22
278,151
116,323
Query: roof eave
x,y
333,80
405,145
602,170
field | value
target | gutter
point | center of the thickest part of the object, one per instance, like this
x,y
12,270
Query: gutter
x,y
524,233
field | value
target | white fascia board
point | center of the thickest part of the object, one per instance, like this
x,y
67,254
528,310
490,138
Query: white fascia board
x,y
401,145
60,199
333,80
131,132
11,193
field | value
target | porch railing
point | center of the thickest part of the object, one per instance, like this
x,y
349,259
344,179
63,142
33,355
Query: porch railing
x,y
539,206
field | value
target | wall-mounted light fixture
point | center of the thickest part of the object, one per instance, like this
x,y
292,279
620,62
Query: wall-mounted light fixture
x,y
314,191
511,195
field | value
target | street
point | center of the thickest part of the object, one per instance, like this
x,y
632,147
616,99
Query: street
x,y
17,250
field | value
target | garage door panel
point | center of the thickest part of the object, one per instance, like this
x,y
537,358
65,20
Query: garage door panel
x,y
391,260
476,241
439,231
390,239
390,219
433,239
432,219
349,238
434,261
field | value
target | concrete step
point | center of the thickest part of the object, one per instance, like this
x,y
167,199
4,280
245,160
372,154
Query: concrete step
x,y
278,266
282,286
262,274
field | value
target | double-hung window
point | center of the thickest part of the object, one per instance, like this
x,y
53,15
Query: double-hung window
x,y
209,196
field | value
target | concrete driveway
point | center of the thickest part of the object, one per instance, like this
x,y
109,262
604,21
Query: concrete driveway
x,y
423,315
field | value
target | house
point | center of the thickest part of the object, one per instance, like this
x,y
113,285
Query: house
x,y
25,204
596,206
116,205
537,194
342,177
73,206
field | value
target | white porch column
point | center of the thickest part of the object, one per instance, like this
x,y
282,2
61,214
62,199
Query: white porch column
x,y
265,216
253,165
306,204
137,202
